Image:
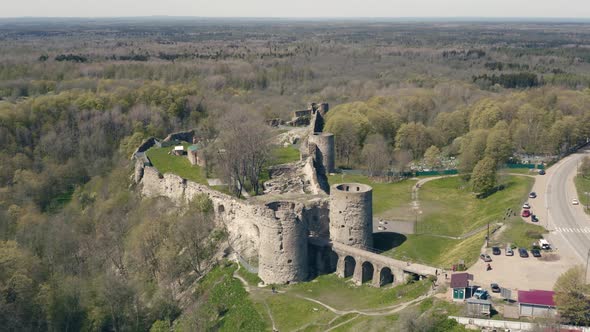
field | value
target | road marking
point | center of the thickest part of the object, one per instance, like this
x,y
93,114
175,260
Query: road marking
x,y
572,230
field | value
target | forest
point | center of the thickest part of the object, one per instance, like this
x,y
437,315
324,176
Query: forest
x,y
81,250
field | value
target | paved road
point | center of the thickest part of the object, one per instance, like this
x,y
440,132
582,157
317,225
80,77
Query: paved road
x,y
567,222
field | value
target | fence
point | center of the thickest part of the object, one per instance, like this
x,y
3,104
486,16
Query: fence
x,y
509,325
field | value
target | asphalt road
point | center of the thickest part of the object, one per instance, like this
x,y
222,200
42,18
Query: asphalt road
x,y
569,224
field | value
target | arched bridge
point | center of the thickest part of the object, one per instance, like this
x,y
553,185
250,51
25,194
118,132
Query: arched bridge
x,y
365,266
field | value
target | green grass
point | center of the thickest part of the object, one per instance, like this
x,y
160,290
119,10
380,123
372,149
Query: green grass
x,y
283,155
390,200
342,294
449,207
179,165
251,278
226,307
582,187
520,234
292,313
438,251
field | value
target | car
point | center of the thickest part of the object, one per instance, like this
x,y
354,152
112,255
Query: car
x,y
534,218
526,213
532,194
526,206
523,252
485,257
496,251
509,251
536,253
575,201
542,172
544,244
480,293
495,288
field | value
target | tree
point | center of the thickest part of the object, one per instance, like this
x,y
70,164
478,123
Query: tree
x,y
499,146
572,297
376,155
483,178
413,137
473,146
432,157
245,146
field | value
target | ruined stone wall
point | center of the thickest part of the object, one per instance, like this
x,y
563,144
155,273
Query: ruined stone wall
x,y
318,182
351,214
240,218
145,145
325,149
186,136
283,244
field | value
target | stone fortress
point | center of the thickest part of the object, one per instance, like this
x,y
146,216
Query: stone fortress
x,y
297,234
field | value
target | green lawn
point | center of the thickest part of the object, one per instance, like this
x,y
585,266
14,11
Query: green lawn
x,y
283,155
520,234
438,251
179,165
342,294
449,207
583,187
390,200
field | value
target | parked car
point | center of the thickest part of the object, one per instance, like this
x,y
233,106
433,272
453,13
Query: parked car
x,y
496,251
526,206
485,257
534,218
544,244
542,172
536,253
575,201
533,195
523,253
509,251
526,213
480,293
495,288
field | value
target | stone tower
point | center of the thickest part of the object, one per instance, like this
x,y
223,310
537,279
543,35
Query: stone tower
x,y
325,146
351,214
283,244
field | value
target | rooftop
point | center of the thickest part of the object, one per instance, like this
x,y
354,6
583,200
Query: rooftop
x,y
538,297
460,280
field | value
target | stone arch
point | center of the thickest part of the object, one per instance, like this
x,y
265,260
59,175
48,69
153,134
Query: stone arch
x,y
385,277
368,271
349,266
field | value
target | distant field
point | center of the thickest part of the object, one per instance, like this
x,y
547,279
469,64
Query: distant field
x,y
179,165
390,200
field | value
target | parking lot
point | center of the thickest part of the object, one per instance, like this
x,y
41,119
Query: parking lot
x,y
516,273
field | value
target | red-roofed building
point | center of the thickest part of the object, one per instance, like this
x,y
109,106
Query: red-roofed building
x,y
460,286
536,303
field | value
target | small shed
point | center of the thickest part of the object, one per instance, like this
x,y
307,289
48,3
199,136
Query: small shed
x,y
536,303
196,155
178,150
479,307
460,285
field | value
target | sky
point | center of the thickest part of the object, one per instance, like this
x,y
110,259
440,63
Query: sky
x,y
297,8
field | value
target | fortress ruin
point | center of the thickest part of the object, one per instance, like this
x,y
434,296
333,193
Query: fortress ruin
x,y
316,230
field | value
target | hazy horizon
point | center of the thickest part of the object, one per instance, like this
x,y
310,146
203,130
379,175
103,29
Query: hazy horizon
x,y
303,9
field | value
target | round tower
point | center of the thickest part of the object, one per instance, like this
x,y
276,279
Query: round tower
x,y
283,244
325,145
351,214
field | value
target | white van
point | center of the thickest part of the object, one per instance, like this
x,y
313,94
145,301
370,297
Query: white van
x,y
544,244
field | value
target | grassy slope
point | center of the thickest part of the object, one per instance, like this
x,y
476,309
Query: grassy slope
x,y
283,155
582,187
178,165
520,234
390,200
451,209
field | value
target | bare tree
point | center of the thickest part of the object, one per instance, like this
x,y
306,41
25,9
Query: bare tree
x,y
376,155
245,149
